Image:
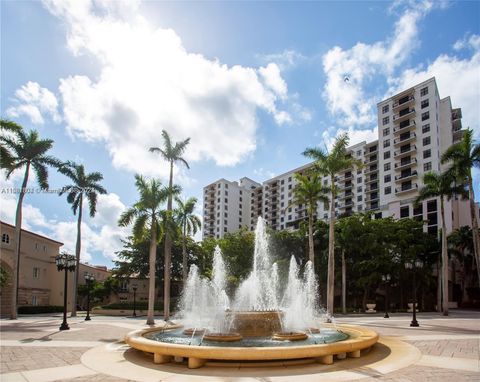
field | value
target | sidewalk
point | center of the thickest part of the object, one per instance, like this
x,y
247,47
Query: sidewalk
x,y
33,349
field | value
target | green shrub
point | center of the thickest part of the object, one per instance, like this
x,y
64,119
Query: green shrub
x,y
141,305
40,309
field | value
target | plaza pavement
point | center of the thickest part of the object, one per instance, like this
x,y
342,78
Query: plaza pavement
x,y
33,349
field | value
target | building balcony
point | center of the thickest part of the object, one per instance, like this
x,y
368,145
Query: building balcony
x,y
404,127
346,195
372,208
405,152
405,189
403,102
372,199
403,115
346,205
404,164
371,179
371,160
371,169
371,189
401,140
347,187
401,178
345,178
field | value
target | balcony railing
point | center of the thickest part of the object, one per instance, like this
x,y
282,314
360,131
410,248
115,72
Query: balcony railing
x,y
402,152
404,101
411,162
408,188
371,159
371,189
404,115
371,169
371,179
406,139
406,127
406,176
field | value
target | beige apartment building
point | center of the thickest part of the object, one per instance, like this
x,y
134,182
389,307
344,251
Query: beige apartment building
x,y
40,283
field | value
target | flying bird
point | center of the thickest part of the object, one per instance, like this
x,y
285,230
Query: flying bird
x,y
346,79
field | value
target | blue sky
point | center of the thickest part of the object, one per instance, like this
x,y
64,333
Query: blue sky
x,y
252,84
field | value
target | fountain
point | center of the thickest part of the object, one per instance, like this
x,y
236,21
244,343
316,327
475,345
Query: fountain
x,y
265,319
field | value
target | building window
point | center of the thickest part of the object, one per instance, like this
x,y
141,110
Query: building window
x,y
359,180
225,214
386,131
424,91
426,141
427,166
5,238
386,166
385,109
289,186
386,120
386,155
425,116
388,190
225,229
226,200
427,154
426,128
36,246
359,189
359,152
290,179
226,185
404,212
36,273
359,198
424,103
387,178
34,300
282,181
386,143
226,193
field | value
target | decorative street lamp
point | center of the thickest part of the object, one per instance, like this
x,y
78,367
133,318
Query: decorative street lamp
x,y
66,262
134,287
386,279
89,279
413,266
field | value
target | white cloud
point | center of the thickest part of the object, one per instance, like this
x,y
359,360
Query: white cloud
x,y
355,135
149,82
349,71
263,174
34,102
285,60
469,42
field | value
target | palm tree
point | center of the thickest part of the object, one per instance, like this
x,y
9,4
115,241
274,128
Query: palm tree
x,y
309,191
27,151
441,186
460,243
6,158
329,164
190,224
465,155
147,216
84,186
171,152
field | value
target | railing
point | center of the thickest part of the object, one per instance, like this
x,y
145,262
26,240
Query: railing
x,y
404,139
410,187
397,129
403,101
410,149
405,176
403,164
401,115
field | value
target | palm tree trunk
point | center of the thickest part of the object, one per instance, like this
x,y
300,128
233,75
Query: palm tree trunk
x,y
18,236
311,253
344,284
475,233
184,254
331,253
444,260
151,272
78,248
439,286
168,254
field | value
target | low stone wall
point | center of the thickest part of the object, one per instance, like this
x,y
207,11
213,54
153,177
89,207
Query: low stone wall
x,y
123,312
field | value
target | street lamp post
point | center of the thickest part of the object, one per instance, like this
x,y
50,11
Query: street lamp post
x,y
66,262
414,265
89,279
134,287
386,279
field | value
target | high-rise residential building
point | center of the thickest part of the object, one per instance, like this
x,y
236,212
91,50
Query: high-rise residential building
x,y
415,127
227,206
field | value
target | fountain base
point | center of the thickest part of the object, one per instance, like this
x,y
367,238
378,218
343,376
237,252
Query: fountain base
x,y
223,337
289,336
255,323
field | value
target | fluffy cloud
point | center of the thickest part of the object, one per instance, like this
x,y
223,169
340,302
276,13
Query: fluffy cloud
x,y
34,102
149,82
349,71
456,77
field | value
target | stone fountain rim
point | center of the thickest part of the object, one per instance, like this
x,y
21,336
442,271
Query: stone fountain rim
x,y
359,338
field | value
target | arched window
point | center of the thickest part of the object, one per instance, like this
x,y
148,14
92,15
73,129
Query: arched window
x,y
6,238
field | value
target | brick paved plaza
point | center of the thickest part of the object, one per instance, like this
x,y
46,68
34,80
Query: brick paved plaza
x,y
32,349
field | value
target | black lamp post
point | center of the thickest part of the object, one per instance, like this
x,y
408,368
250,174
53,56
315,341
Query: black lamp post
x,y
66,262
134,287
89,279
386,279
414,265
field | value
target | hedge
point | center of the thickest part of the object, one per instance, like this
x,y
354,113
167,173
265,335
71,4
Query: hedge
x,y
139,305
40,309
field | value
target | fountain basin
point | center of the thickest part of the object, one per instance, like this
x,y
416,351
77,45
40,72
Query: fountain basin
x,y
289,336
358,339
223,337
194,331
255,323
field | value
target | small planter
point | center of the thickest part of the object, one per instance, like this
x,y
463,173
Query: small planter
x,y
371,308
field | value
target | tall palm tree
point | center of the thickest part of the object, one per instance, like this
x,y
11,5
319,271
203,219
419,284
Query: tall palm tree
x,y
441,186
460,243
309,191
190,224
171,152
27,151
465,155
6,158
85,186
147,216
329,164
